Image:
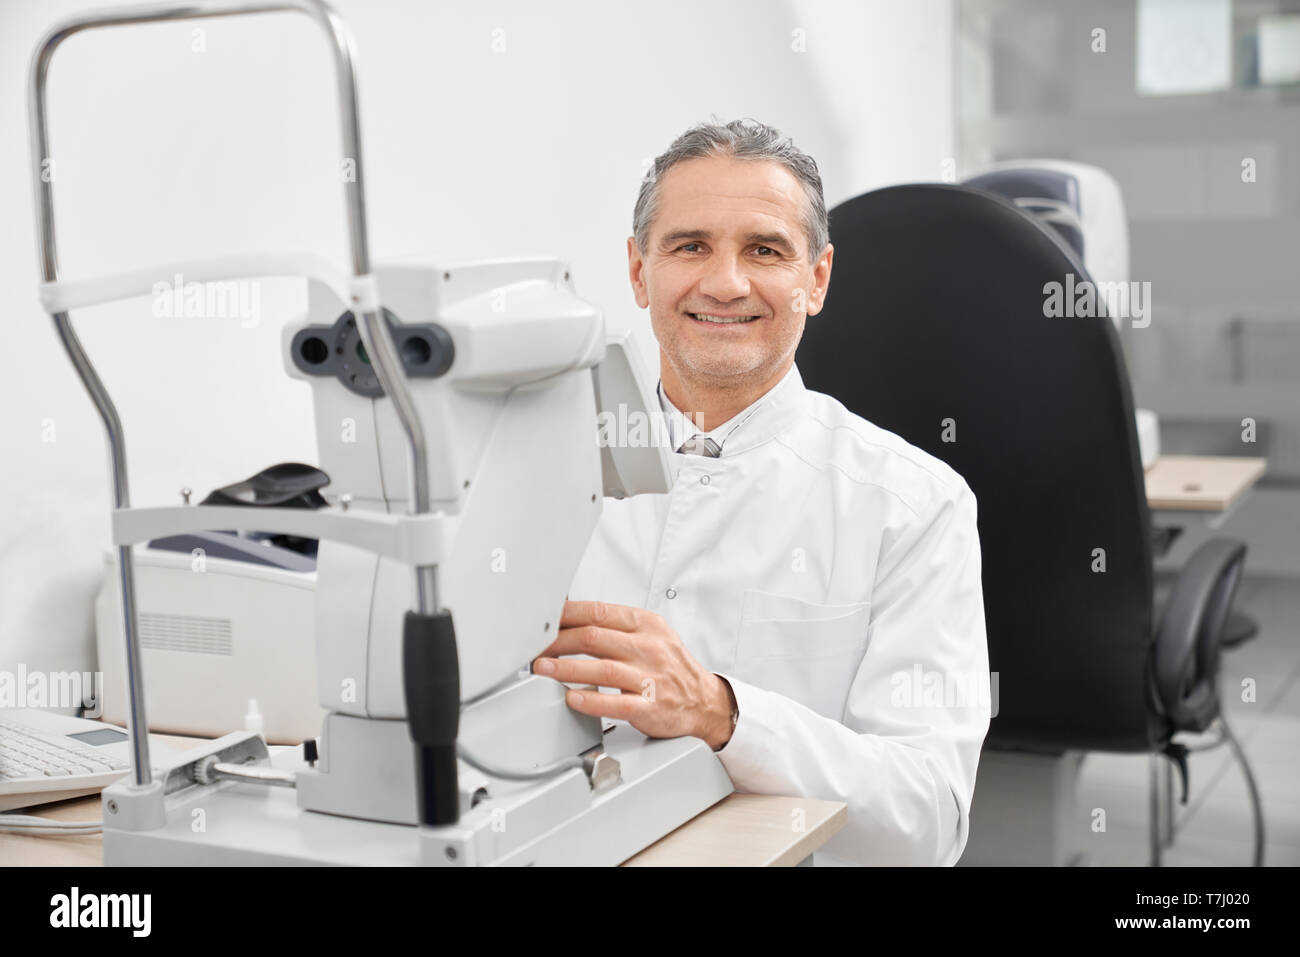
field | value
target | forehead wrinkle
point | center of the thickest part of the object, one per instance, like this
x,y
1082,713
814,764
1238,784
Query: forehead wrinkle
x,y
750,184
778,205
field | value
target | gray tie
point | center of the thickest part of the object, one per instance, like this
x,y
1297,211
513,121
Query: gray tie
x,y
700,444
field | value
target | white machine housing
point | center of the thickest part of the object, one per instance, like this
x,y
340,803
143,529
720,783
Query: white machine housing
x,y
513,434
519,391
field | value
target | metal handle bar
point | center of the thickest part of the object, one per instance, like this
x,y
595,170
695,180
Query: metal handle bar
x,y
363,293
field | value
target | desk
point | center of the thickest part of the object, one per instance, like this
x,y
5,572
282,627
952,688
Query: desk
x,y
1206,488
742,830
1200,483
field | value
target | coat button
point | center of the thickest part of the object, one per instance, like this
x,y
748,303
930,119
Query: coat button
x,y
704,480
671,593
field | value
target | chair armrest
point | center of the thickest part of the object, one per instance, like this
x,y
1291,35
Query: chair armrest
x,y
1186,651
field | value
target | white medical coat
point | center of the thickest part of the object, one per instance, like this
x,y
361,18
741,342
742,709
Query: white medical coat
x,y
831,573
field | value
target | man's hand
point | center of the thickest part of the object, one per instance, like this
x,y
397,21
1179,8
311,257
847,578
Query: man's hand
x,y
665,692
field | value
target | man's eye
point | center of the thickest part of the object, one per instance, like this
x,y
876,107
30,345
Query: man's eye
x,y
769,249
684,245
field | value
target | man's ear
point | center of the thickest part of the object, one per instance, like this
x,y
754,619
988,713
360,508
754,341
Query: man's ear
x,y
821,280
636,273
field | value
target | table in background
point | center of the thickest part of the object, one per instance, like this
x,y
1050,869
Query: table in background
x,y
1213,485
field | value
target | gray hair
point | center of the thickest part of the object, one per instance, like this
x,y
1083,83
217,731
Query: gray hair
x,y
741,139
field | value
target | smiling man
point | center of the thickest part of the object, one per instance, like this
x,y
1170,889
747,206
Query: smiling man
x,y
806,598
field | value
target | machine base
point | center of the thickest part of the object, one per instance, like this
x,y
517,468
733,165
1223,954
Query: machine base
x,y
665,782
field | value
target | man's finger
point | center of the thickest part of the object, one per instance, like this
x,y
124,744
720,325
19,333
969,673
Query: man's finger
x,y
604,673
603,614
622,707
592,640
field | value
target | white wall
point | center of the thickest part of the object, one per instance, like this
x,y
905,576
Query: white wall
x,y
886,71
164,153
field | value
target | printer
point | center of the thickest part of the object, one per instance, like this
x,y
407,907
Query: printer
x,y
227,627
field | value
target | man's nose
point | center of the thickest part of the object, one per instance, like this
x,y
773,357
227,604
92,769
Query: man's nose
x,y
725,279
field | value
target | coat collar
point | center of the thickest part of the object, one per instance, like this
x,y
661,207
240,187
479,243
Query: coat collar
x,y
774,412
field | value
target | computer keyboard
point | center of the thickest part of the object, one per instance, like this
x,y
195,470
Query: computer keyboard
x,y
37,766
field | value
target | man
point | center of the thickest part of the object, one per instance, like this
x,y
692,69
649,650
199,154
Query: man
x,y
806,598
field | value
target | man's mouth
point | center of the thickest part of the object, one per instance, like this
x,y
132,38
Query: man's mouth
x,y
715,319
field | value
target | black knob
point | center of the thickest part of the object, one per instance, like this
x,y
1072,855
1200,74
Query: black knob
x,y
309,751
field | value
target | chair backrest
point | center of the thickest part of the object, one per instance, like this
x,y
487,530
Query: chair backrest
x,y
1082,203
935,328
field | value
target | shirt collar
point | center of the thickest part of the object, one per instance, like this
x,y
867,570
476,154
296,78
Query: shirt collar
x,y
771,414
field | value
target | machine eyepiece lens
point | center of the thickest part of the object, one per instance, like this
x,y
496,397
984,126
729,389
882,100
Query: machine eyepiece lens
x,y
314,350
416,351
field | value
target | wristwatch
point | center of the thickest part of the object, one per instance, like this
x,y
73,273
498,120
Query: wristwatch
x,y
735,708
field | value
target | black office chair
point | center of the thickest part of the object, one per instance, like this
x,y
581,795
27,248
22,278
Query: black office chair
x,y
1052,197
935,329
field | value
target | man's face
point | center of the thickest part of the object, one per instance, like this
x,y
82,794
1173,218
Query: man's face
x,y
727,241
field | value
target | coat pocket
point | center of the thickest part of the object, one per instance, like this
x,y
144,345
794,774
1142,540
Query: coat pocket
x,y
804,650
777,626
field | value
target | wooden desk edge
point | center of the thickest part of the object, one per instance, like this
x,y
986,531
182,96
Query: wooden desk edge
x,y
683,847
1253,470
